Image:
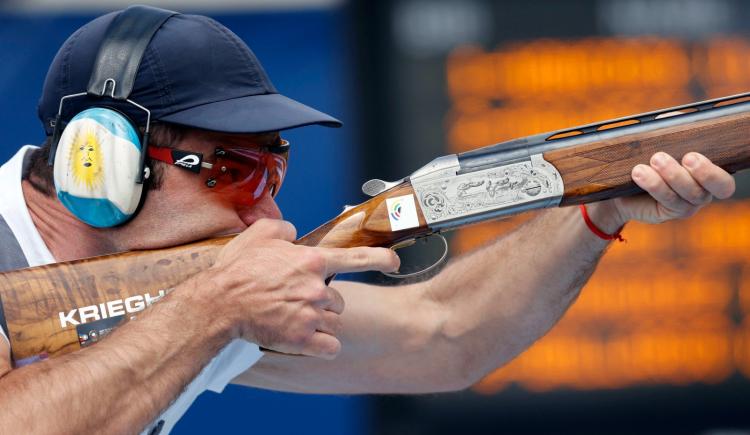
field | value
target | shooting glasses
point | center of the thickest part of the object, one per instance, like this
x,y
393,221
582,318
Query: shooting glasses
x,y
241,175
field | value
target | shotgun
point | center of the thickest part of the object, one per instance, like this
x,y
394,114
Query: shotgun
x,y
58,308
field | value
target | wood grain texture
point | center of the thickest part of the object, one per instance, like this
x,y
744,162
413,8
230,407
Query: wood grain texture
x,y
366,224
33,298
601,170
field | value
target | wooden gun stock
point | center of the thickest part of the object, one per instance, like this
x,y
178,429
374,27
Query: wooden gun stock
x,y
34,299
59,308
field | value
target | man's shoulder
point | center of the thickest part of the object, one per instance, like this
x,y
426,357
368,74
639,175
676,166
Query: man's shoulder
x,y
11,254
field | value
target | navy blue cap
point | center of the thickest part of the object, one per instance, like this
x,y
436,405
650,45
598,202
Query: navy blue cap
x,y
195,72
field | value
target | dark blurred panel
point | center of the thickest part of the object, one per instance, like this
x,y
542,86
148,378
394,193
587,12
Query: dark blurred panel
x,y
700,409
659,341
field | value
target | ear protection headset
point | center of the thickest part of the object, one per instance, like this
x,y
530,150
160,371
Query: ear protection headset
x,y
99,154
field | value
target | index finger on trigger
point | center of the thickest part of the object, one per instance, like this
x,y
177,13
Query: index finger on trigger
x,y
342,260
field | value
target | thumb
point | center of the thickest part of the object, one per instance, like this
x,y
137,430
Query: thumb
x,y
642,208
270,229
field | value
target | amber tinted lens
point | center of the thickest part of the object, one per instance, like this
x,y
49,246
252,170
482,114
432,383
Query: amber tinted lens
x,y
279,172
244,175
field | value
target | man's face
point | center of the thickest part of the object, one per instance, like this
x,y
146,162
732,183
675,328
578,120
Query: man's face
x,y
185,209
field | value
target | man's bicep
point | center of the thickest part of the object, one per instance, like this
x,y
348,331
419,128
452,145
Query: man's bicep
x,y
386,331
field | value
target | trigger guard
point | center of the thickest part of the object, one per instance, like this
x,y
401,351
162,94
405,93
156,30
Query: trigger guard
x,y
425,270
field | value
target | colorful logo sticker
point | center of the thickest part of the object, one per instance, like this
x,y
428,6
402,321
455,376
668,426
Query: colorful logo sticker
x,y
396,211
402,212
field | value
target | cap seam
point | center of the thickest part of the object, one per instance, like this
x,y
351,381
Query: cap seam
x,y
244,53
215,25
160,76
64,79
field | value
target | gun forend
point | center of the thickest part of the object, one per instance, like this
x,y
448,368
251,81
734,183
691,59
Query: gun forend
x,y
578,165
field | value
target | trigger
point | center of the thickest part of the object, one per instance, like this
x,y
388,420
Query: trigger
x,y
410,242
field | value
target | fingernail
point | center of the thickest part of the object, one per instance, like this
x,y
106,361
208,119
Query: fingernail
x,y
659,159
690,160
637,173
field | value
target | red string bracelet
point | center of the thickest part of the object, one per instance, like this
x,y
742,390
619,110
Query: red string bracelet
x,y
594,229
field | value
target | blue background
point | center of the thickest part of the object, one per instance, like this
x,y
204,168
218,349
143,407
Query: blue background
x,y
306,56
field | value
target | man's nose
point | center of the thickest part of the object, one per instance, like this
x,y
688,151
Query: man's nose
x,y
270,207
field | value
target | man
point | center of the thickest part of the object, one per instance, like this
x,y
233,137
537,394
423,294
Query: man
x,y
439,335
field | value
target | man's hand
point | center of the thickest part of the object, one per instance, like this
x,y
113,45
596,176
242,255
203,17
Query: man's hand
x,y
675,190
275,291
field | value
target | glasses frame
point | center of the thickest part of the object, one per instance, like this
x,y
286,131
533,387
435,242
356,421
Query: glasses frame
x,y
274,159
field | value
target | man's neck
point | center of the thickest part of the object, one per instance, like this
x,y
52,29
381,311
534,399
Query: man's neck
x,y
66,237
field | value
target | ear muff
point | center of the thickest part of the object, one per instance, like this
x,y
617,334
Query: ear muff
x,y
98,157
97,161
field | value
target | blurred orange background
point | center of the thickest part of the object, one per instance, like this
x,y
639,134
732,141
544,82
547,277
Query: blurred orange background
x,y
672,305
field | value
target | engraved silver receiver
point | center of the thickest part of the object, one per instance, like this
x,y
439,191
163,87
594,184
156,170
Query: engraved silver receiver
x,y
450,194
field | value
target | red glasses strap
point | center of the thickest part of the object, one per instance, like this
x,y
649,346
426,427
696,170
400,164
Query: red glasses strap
x,y
161,154
189,160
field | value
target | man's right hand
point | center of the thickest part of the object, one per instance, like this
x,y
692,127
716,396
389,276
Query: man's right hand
x,y
274,291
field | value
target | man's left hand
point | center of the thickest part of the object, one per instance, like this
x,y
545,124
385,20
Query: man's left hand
x,y
676,189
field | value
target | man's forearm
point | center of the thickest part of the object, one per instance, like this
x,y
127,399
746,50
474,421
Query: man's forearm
x,y
502,297
446,333
122,383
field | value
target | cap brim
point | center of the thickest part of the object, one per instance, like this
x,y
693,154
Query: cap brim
x,y
252,114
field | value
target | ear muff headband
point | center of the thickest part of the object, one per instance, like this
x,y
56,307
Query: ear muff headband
x,y
111,136
131,31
